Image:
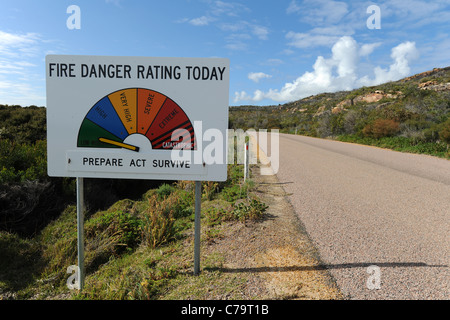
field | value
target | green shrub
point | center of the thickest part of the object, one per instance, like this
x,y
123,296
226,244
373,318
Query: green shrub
x,y
235,173
252,211
444,133
158,222
184,203
20,262
209,189
431,134
110,233
21,162
235,192
22,125
214,216
398,143
164,190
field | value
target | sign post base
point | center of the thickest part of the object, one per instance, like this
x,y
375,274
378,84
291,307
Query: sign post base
x,y
80,230
198,202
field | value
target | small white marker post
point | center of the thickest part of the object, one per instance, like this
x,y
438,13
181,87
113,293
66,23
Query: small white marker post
x,y
246,161
198,202
80,231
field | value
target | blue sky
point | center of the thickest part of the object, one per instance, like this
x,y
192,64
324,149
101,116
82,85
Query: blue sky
x,y
279,51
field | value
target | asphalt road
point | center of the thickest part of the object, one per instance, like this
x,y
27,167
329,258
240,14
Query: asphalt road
x,y
365,206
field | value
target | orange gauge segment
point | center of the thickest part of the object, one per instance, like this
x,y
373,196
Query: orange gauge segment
x,y
124,102
149,104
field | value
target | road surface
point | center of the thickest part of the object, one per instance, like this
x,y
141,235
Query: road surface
x,y
364,206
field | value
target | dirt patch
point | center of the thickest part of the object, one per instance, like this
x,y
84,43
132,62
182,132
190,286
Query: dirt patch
x,y
275,255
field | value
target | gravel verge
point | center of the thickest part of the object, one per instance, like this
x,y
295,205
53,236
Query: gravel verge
x,y
275,254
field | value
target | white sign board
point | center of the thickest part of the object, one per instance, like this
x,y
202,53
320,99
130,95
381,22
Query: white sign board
x,y
137,117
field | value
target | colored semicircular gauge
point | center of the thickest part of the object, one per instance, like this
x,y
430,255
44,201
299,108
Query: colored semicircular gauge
x,y
136,111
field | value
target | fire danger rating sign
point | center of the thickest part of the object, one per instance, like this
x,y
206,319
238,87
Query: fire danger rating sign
x,y
137,117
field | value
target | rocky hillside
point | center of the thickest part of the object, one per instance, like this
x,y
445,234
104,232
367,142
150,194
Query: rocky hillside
x,y
413,111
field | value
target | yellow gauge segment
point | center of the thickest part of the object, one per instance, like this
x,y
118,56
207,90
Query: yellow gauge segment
x,y
119,144
125,103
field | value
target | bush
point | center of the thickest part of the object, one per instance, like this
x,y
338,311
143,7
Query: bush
x,y
209,189
400,143
158,222
21,162
444,133
26,207
215,216
235,192
253,211
164,191
381,128
22,125
109,234
120,225
431,134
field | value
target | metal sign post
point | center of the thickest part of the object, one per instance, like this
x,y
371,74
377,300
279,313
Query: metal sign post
x,y
198,202
246,161
80,231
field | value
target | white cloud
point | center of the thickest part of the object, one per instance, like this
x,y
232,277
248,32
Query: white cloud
x,y
236,46
114,2
256,76
273,62
320,36
11,43
237,41
287,52
23,94
16,50
231,9
402,55
367,49
20,71
293,7
319,12
345,56
201,21
238,96
260,32
215,11
308,40
228,17
339,72
243,33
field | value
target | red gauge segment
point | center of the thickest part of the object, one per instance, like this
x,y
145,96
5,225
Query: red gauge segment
x,y
169,118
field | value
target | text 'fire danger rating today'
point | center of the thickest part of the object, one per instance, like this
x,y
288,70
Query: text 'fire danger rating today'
x,y
125,71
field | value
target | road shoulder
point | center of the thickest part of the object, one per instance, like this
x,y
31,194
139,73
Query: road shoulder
x,y
276,255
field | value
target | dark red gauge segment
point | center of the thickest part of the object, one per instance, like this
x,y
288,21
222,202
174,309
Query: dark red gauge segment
x,y
170,118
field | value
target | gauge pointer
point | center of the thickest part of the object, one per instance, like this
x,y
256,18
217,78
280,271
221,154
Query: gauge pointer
x,y
119,144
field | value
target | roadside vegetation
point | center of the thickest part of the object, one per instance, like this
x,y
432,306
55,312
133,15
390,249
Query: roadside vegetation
x,y
409,115
138,234
135,249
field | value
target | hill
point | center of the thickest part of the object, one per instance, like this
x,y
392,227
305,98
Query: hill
x,y
411,114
